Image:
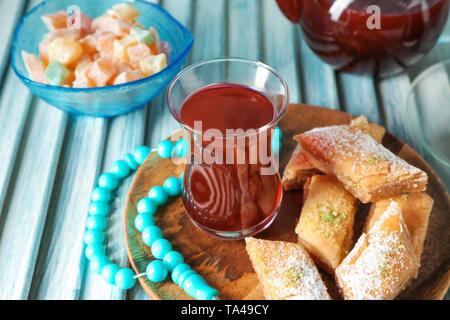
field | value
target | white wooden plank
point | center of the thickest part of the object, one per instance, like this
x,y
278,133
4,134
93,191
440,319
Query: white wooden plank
x,y
280,47
57,270
358,96
318,79
244,29
26,208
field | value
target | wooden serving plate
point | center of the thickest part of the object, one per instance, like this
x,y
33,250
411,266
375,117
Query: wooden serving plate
x,y
225,264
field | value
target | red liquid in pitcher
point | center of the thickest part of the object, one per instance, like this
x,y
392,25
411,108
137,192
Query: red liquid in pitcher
x,y
407,31
224,196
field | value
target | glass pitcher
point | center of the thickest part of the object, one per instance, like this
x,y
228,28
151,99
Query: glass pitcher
x,y
374,37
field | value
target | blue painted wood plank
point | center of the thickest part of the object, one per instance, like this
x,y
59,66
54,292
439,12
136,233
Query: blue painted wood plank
x,y
34,148
12,119
244,26
57,275
10,13
25,212
393,92
125,134
160,123
318,79
209,33
359,97
280,47
209,29
14,107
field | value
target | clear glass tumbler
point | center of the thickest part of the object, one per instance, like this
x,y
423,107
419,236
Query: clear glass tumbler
x,y
231,188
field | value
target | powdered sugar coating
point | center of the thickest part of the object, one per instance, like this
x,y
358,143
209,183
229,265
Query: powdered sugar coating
x,y
366,167
285,270
382,261
363,149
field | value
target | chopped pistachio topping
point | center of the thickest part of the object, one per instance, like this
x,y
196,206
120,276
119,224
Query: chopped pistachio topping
x,y
405,196
383,268
374,160
325,219
294,276
328,215
356,186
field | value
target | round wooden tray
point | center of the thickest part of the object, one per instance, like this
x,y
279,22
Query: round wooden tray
x,y
225,264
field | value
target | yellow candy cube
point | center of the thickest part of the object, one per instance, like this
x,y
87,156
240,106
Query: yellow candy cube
x,y
64,50
120,47
153,64
124,11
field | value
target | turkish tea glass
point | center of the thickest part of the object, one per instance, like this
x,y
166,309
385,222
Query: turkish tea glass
x,y
231,187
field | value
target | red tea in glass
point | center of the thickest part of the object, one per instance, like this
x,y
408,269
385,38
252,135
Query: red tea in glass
x,y
375,37
232,187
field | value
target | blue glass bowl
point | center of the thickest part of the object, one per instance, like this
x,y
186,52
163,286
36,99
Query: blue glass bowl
x,y
102,101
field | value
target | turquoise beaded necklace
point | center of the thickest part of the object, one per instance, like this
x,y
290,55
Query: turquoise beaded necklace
x,y
166,259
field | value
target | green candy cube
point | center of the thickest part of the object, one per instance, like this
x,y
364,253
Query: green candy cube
x,y
141,35
56,73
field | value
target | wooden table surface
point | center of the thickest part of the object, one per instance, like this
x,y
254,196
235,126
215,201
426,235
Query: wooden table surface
x,y
50,161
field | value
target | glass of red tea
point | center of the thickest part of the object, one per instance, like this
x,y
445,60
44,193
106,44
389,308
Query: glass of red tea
x,y
229,109
373,37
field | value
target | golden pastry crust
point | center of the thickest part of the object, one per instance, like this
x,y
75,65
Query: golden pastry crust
x,y
415,207
325,226
299,169
376,131
366,168
285,270
382,262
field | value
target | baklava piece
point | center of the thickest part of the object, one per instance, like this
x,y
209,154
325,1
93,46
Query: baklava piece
x,y
285,270
415,207
325,226
299,169
382,262
366,168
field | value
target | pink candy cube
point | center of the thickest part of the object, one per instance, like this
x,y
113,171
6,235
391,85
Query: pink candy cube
x,y
35,69
43,52
78,20
83,82
128,76
105,44
89,44
110,24
138,52
60,33
102,71
57,20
